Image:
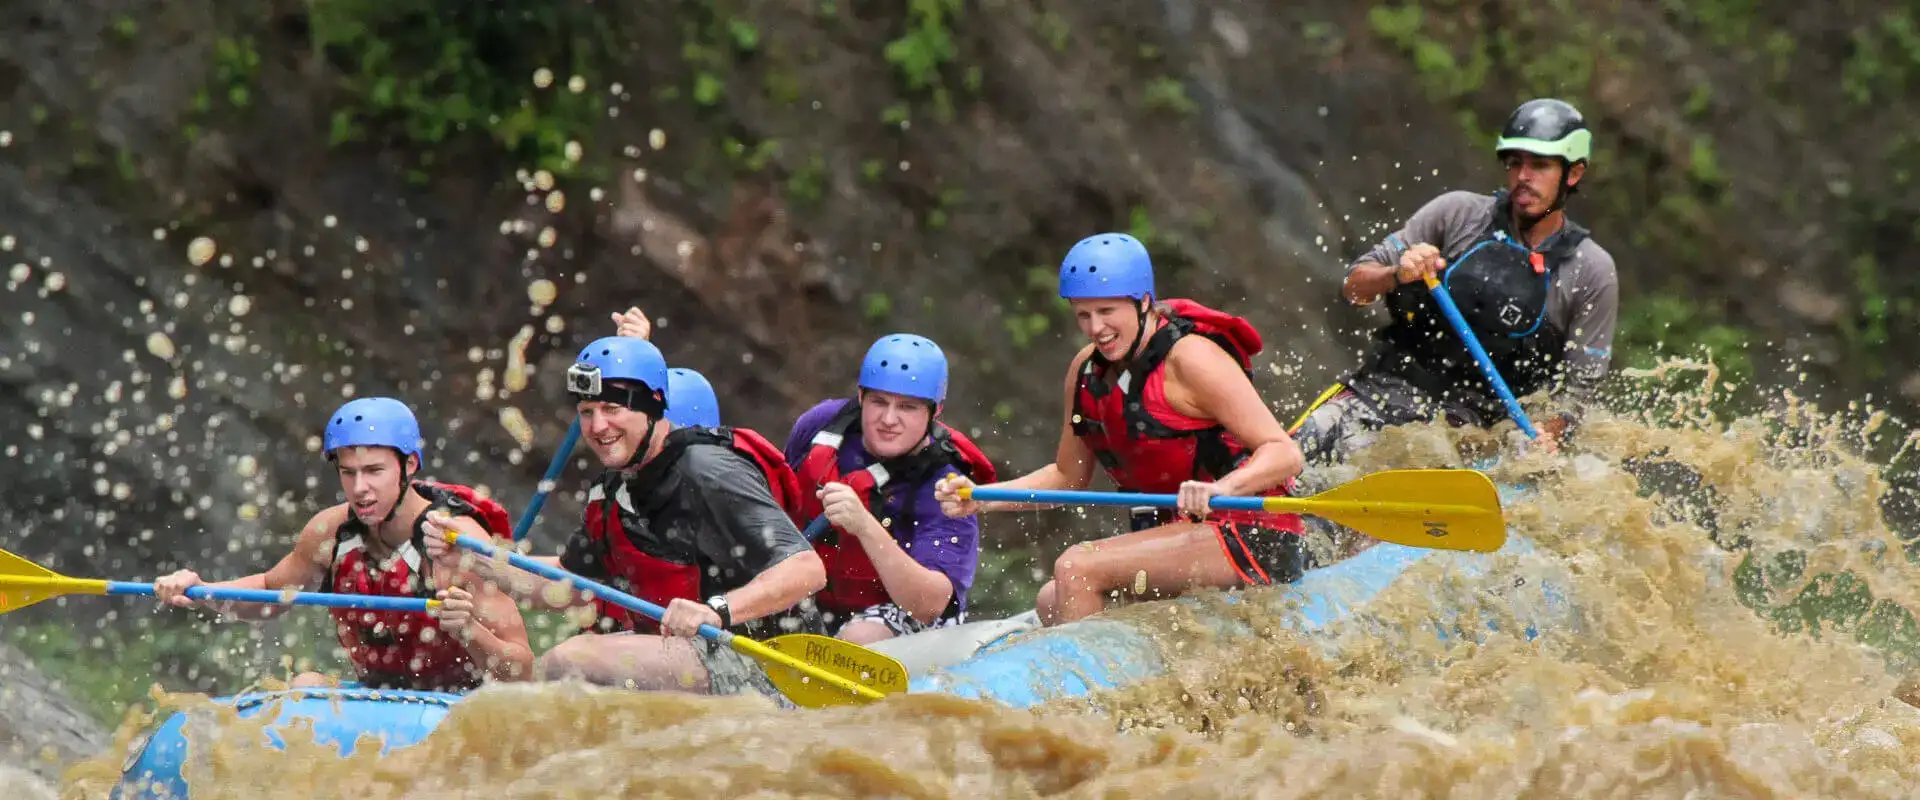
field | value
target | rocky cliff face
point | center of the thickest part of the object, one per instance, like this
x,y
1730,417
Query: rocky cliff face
x,y
40,731
410,197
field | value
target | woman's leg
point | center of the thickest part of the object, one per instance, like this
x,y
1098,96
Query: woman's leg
x,y
312,680
1176,558
1047,605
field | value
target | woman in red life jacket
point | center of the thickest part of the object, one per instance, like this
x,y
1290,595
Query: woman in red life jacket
x,y
1162,410
895,564
371,544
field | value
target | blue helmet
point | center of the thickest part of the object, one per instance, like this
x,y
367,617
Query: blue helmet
x,y
905,364
619,358
691,400
1106,265
374,422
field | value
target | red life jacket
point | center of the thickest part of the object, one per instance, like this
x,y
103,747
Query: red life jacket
x,y
658,578
400,648
1142,442
852,582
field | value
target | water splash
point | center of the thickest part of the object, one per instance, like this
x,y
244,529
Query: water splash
x,y
1696,666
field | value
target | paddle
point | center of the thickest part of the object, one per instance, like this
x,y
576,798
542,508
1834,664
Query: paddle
x,y
1444,509
826,671
1445,299
23,583
547,483
818,526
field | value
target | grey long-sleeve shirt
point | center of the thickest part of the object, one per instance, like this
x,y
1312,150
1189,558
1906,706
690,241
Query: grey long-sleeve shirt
x,y
1585,301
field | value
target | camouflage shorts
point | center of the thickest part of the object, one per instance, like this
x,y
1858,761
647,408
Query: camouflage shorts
x,y
1337,429
729,672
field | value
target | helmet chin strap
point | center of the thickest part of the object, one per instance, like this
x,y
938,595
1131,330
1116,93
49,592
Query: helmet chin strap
x,y
1140,328
406,482
646,444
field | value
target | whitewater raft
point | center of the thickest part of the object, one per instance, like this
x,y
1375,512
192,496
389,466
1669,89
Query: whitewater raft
x,y
1012,661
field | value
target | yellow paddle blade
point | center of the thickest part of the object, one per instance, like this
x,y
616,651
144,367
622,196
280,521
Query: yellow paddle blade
x,y
1446,509
23,583
818,671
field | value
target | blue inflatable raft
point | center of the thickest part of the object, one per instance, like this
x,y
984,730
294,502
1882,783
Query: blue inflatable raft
x,y
1006,661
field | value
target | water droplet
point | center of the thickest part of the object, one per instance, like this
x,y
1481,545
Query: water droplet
x,y
200,250
159,345
542,292
516,372
517,426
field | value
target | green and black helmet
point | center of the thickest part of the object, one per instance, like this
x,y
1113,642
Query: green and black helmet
x,y
1551,128
1547,127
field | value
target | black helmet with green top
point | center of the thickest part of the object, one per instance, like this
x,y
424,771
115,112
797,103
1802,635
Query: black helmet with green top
x,y
1547,127
1551,128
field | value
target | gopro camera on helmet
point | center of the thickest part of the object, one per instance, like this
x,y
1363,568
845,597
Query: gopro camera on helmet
x,y
583,379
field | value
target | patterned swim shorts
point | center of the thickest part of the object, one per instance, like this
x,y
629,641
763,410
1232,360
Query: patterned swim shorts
x,y
898,620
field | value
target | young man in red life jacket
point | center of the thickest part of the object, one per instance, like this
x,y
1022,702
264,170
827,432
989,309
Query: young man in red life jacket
x,y
371,544
1163,410
895,564
685,523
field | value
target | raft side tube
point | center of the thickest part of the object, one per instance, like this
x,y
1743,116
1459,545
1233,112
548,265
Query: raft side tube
x,y
1076,659
338,716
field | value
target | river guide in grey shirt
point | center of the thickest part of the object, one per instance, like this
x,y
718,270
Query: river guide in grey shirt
x,y
1540,295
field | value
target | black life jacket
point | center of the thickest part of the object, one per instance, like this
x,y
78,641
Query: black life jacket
x,y
1502,288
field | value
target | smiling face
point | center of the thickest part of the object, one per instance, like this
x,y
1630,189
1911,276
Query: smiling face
x,y
891,424
1534,182
1110,323
371,478
612,431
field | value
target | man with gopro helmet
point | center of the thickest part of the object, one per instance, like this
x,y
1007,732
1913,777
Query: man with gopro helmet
x,y
680,518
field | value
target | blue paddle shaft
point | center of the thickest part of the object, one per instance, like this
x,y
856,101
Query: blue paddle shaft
x,y
1445,299
818,526
599,590
1112,499
554,469
366,602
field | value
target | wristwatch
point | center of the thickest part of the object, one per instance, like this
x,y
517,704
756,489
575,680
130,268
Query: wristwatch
x,y
718,603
